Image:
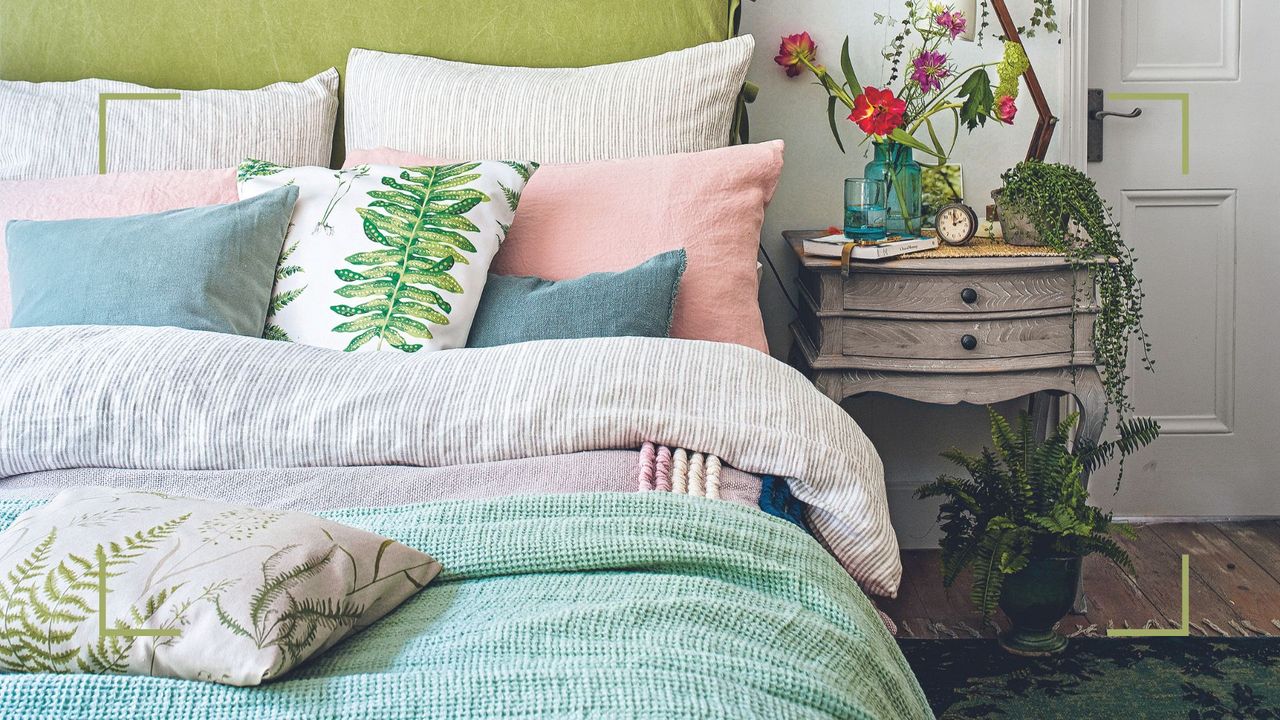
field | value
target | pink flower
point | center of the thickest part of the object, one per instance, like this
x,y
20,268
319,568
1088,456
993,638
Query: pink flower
x,y
953,22
795,51
1006,109
930,69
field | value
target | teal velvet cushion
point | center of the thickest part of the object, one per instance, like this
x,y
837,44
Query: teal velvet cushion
x,y
636,302
207,268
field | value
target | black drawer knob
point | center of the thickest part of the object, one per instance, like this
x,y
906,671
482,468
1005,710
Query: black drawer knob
x,y
969,295
968,342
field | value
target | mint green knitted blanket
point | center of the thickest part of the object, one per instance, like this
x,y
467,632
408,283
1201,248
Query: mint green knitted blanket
x,y
566,606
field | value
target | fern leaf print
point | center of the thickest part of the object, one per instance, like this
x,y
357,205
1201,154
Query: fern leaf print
x,y
280,299
524,170
512,196
252,168
418,221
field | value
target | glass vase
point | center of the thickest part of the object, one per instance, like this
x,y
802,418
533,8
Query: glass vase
x,y
894,165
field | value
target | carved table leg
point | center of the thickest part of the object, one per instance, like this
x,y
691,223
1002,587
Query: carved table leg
x,y
1091,396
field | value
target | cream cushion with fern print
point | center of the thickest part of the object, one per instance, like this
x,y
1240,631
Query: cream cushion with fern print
x,y
384,257
114,581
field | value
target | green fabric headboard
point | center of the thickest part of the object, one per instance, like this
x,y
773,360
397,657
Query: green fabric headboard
x,y
243,44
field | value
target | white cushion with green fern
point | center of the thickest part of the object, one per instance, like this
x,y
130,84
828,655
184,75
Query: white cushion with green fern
x,y
115,581
382,257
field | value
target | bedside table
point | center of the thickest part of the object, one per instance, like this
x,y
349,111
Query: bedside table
x,y
949,330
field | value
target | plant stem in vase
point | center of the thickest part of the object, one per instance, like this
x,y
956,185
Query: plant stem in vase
x,y
894,165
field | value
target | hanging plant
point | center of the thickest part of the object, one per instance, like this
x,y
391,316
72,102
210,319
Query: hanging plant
x,y
1043,16
1063,206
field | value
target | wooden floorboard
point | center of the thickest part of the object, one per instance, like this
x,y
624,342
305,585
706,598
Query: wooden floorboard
x,y
1234,585
1249,591
1260,541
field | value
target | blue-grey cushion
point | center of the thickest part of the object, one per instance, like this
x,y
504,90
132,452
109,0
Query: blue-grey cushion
x,y
636,303
207,268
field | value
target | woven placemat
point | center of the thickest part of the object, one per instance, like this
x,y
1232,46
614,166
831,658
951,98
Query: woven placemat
x,y
981,247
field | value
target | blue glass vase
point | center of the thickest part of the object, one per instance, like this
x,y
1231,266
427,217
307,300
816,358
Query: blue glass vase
x,y
900,173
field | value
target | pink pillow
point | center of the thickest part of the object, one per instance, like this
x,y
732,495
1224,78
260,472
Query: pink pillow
x,y
97,196
613,215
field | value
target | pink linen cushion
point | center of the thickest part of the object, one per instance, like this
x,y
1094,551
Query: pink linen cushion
x,y
101,196
612,215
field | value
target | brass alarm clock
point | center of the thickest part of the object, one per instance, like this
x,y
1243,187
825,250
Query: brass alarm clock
x,y
956,224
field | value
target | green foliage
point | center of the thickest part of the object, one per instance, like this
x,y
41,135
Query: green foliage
x,y
1070,216
279,300
524,170
1043,15
978,99
252,168
1026,498
44,604
419,221
293,628
513,197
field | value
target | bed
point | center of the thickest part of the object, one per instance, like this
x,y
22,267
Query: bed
x,y
579,579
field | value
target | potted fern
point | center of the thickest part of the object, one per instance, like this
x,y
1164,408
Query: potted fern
x,y
1022,519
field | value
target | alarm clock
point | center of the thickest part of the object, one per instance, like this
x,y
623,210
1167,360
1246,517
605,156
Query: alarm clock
x,y
956,224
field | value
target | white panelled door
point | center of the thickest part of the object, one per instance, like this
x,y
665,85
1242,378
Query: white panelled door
x,y
1208,243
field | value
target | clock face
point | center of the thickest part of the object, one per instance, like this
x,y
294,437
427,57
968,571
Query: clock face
x,y
956,224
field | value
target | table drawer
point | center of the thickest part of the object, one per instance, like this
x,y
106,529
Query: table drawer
x,y
962,293
960,339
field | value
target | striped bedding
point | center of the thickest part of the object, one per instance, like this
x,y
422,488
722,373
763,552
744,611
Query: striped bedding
x,y
325,488
170,400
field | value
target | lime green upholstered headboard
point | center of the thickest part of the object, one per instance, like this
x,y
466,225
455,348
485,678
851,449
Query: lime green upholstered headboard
x,y
249,43
241,44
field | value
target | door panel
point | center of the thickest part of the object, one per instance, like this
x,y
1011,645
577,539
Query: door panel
x,y
1181,40
1193,305
1206,240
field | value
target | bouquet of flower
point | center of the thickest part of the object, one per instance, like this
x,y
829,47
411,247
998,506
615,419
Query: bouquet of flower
x,y
931,86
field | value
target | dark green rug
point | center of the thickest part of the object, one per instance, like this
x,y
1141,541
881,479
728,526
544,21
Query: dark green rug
x,y
1160,678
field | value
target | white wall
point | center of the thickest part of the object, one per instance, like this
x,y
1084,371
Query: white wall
x,y
908,435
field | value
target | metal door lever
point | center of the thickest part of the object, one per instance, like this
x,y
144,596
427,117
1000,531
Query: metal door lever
x,y
1096,115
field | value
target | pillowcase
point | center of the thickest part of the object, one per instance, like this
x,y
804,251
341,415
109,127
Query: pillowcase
x,y
680,101
609,216
636,303
208,268
51,129
382,256
189,588
116,195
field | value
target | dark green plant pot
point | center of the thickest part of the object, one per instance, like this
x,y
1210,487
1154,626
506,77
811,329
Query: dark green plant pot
x,y
1035,599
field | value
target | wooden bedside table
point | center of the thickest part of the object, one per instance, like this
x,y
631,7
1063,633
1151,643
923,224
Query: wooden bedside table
x,y
949,330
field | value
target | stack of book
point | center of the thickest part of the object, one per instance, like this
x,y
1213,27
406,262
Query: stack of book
x,y
833,246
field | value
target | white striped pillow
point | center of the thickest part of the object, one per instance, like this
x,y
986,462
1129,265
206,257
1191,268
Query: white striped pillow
x,y
50,130
678,102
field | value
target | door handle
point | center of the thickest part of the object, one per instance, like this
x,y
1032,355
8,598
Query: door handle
x,y
1095,116
1098,115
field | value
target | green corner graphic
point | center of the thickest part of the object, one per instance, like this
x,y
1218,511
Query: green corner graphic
x,y
1184,630
105,631
102,118
1185,99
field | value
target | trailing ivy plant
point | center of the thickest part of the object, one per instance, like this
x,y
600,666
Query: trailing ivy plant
x,y
1024,500
1070,216
1043,16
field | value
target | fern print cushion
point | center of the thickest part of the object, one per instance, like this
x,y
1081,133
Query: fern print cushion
x,y
115,581
383,257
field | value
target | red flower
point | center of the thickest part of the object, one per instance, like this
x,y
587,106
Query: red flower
x,y
794,51
1007,109
877,112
